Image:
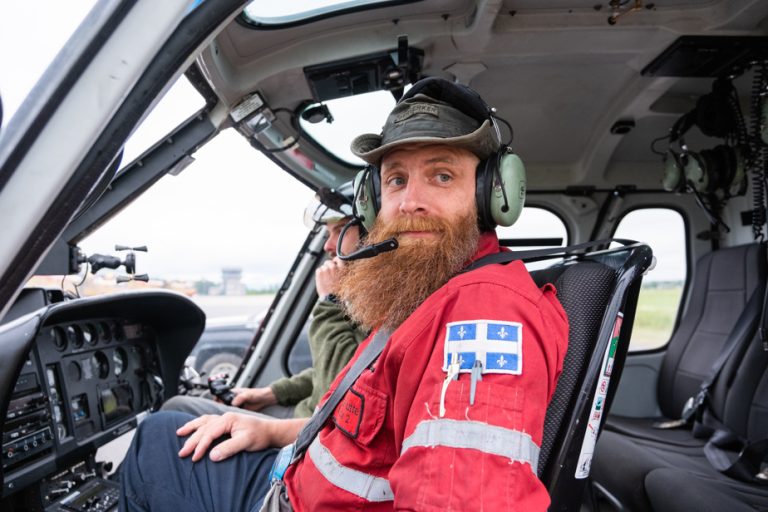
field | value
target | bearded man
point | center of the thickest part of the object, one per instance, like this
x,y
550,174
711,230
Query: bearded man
x,y
442,407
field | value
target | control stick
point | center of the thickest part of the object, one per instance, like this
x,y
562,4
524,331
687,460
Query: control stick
x,y
221,388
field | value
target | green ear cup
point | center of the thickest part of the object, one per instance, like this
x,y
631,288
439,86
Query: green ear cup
x,y
512,173
739,184
694,172
672,173
365,200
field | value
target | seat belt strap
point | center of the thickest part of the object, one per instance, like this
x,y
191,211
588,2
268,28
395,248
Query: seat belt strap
x,y
740,335
732,456
316,423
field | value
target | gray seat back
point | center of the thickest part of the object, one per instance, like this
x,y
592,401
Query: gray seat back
x,y
724,282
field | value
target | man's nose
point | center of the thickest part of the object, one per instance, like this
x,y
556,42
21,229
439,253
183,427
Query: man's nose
x,y
330,245
413,200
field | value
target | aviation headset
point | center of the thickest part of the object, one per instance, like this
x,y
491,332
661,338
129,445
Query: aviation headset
x,y
711,171
499,179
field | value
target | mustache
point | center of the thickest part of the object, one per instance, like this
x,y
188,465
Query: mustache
x,y
401,225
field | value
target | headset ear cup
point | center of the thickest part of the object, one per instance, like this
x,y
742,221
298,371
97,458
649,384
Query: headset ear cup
x,y
513,182
673,179
738,186
483,178
713,165
695,169
366,204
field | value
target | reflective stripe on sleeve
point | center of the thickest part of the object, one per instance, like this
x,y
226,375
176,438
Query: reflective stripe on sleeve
x,y
360,484
515,445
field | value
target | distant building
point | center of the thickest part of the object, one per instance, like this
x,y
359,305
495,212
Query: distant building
x,y
231,281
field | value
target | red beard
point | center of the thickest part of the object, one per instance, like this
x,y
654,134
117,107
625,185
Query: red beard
x,y
386,289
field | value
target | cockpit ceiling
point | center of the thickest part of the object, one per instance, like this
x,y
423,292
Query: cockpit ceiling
x,y
556,69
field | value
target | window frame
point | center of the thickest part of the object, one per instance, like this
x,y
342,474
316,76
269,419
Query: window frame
x,y
688,266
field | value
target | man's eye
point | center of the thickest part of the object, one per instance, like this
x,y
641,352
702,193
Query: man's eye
x,y
396,181
444,178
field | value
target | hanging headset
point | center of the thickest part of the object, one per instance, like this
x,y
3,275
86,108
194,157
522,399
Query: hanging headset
x,y
719,171
500,181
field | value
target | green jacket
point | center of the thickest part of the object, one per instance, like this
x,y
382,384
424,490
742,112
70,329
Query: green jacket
x,y
333,339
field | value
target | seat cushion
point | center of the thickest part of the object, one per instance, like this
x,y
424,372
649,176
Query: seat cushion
x,y
643,428
673,490
622,465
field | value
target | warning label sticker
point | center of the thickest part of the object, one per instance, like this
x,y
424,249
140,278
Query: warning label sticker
x,y
598,402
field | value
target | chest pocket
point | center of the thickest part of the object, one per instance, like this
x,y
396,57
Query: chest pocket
x,y
360,414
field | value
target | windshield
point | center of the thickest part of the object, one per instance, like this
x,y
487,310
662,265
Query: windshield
x,y
280,13
350,116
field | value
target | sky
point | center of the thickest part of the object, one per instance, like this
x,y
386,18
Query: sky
x,y
232,207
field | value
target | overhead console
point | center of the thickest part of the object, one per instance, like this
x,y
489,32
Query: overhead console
x,y
78,374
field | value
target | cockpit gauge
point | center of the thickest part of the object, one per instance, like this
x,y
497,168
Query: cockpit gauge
x,y
75,336
59,338
74,372
90,335
119,361
100,364
104,331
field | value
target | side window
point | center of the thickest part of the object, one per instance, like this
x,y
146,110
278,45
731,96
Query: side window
x,y
534,223
662,287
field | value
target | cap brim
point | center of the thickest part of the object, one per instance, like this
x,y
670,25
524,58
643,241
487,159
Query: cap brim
x,y
482,142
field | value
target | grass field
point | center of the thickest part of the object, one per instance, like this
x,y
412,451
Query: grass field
x,y
656,313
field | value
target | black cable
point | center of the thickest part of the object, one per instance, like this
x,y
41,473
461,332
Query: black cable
x,y
757,159
85,275
714,217
509,127
77,291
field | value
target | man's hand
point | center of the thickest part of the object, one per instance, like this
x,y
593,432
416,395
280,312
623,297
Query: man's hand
x,y
253,399
327,277
247,433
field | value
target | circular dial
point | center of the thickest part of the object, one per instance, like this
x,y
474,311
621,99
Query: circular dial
x,y
104,331
90,335
119,361
75,336
74,372
59,338
100,364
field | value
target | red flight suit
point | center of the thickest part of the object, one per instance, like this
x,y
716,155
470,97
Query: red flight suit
x,y
388,446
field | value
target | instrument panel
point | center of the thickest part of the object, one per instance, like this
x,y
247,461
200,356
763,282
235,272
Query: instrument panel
x,y
86,370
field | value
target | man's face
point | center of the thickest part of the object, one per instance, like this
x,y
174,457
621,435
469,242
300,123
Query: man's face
x,y
427,181
350,241
428,204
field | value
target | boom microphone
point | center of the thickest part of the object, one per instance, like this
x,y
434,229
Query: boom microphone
x,y
368,251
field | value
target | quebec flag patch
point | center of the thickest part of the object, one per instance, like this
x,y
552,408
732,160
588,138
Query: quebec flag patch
x,y
497,344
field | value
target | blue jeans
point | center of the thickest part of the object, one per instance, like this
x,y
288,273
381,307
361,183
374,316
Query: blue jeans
x,y
154,477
